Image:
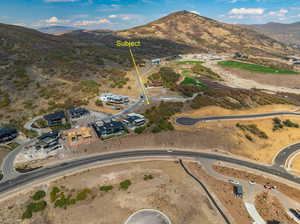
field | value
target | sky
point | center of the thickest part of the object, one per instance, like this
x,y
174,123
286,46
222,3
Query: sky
x,y
122,14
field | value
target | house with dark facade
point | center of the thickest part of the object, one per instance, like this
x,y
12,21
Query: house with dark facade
x,y
8,134
105,129
55,119
77,113
47,140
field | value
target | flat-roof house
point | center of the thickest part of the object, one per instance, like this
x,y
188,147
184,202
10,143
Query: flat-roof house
x,y
7,134
55,119
47,140
108,128
113,98
134,120
76,113
156,61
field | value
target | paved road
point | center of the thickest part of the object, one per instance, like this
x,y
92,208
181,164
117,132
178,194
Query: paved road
x,y
52,170
284,154
192,121
29,124
7,166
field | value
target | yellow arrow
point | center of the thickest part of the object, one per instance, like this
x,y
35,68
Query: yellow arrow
x,y
140,81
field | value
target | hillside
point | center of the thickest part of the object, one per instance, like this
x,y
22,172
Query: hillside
x,y
56,30
206,34
286,33
41,72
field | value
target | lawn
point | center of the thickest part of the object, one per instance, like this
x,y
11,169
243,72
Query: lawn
x,y
256,68
189,62
192,81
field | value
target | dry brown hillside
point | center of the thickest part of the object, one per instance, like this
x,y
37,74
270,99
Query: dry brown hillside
x,y
187,28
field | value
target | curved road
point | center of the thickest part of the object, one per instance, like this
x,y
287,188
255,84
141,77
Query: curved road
x,y
192,121
284,154
26,178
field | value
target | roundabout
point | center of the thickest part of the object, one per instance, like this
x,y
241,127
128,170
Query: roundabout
x,y
148,216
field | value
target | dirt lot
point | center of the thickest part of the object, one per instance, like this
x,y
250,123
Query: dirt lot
x,y
169,190
271,210
224,192
289,191
290,81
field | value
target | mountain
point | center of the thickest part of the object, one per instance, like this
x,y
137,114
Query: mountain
x,y
56,30
286,33
185,31
207,34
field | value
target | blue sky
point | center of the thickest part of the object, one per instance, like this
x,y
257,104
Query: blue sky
x,y
120,14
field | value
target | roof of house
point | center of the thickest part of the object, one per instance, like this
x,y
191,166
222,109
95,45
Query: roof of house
x,y
60,114
5,131
78,110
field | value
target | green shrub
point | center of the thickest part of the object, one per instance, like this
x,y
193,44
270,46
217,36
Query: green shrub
x,y
53,194
39,195
290,124
124,185
82,195
139,130
148,177
106,188
99,103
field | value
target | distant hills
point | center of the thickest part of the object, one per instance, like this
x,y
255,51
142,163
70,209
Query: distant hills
x,y
286,33
41,72
57,30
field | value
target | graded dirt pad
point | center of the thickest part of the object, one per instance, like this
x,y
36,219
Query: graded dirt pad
x,y
271,210
169,190
224,192
290,81
289,191
259,149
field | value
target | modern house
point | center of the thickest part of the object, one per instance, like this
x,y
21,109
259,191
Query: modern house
x,y
238,190
113,98
7,134
77,113
55,119
155,61
48,140
105,129
134,120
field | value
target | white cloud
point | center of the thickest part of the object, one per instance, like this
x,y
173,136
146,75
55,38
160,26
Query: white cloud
x,y
246,11
53,19
91,22
112,16
60,0
279,13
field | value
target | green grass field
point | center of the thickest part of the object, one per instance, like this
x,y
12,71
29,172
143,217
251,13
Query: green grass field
x,y
189,62
256,68
192,81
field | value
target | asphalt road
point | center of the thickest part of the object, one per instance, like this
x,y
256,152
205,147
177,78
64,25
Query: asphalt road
x,y
192,121
26,178
284,154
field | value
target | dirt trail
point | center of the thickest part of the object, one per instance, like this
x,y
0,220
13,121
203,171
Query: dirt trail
x,y
234,81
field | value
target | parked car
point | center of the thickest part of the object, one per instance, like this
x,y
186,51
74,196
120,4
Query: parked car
x,y
234,182
252,182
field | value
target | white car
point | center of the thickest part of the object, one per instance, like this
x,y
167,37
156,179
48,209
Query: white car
x,y
234,182
252,182
169,151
